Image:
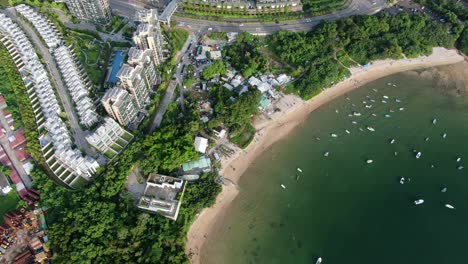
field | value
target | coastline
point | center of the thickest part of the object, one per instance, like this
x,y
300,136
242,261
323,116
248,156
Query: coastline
x,y
294,112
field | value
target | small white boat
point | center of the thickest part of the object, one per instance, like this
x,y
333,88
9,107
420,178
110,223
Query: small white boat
x,y
383,101
317,138
350,115
434,121
334,135
372,100
336,111
398,100
394,85
375,90
326,154
373,114
360,129
395,153
354,122
386,97
402,180
387,115
368,106
370,128
419,201
389,84
444,189
444,135
426,139
449,206
347,131
392,141
299,170
319,261
391,111
460,167
364,102
458,159
418,155
282,186
347,98
401,108
369,161
356,113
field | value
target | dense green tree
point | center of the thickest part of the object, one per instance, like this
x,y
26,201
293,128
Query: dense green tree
x,y
213,70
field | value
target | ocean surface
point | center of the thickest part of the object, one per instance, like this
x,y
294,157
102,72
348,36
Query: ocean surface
x,y
348,211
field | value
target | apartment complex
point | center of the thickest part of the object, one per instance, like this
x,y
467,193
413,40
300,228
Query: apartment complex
x,y
148,34
77,83
109,138
135,81
96,11
66,162
120,105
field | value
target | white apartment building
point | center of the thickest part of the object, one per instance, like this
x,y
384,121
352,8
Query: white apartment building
x,y
135,81
148,34
78,86
44,27
97,11
109,138
120,105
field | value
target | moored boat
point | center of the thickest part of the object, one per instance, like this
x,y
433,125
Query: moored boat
x,y
326,154
319,261
449,206
419,201
334,135
458,159
434,121
444,135
370,128
392,141
418,155
299,169
347,131
282,186
369,161
402,180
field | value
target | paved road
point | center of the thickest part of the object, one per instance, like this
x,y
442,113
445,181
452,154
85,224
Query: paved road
x,y
172,85
11,153
355,7
79,134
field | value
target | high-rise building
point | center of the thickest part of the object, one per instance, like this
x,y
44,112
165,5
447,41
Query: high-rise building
x,y
135,81
148,34
144,59
120,105
97,11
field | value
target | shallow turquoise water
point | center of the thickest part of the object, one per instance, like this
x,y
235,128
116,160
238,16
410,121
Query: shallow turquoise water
x,y
348,211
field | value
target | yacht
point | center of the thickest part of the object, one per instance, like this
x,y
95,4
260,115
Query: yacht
x,y
392,141
334,135
319,261
386,97
356,113
418,202
434,121
354,122
402,180
444,135
299,169
449,206
458,159
347,131
370,128
368,106
401,108
387,115
369,161
282,186
418,155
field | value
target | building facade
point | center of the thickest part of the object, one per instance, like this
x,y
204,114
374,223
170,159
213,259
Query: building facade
x,y
148,34
97,11
109,138
134,80
120,105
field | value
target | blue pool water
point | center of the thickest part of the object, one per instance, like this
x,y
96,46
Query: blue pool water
x,y
116,64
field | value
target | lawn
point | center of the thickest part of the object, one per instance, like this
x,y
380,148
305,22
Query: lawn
x,y
177,38
93,54
8,203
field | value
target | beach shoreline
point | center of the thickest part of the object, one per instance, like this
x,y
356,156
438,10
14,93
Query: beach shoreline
x,y
294,112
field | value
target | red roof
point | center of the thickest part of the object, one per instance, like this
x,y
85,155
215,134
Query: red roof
x,y
14,176
2,134
18,139
21,154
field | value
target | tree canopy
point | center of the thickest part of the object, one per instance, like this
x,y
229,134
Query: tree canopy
x,y
213,70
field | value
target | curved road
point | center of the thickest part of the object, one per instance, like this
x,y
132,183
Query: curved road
x,y
355,7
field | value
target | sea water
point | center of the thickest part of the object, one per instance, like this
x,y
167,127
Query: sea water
x,y
348,211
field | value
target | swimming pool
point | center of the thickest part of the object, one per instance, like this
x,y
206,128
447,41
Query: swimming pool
x,y
116,64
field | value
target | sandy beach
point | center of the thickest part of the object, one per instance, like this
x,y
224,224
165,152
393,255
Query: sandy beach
x,y
294,111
